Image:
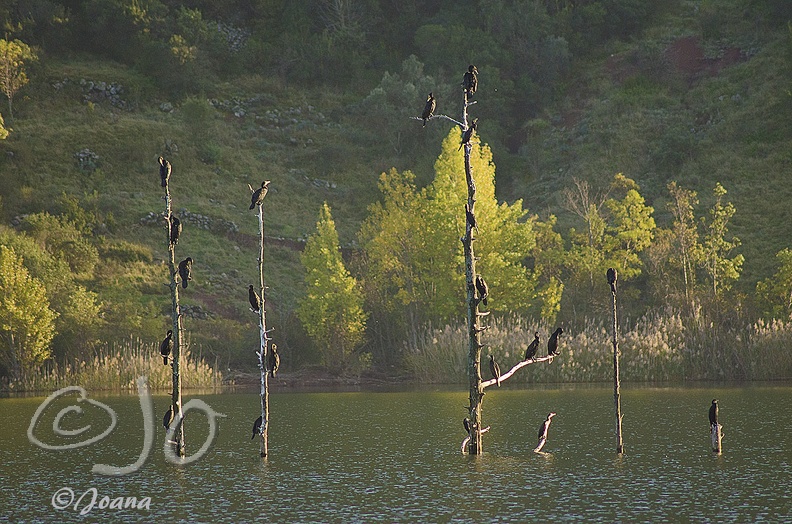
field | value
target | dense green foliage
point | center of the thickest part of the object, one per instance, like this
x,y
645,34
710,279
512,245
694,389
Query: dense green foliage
x,y
680,96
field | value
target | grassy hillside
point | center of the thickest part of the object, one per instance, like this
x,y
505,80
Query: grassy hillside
x,y
701,96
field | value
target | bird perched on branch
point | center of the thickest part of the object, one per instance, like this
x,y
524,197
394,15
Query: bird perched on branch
x,y
713,413
165,171
258,195
175,229
273,360
257,427
429,108
552,343
533,347
482,288
468,134
185,271
168,418
545,427
470,81
471,219
255,301
612,277
495,370
166,346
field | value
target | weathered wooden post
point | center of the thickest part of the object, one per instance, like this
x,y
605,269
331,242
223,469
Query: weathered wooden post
x,y
612,277
263,353
716,430
176,396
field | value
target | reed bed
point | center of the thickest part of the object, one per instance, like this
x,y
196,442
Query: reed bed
x,y
658,347
116,366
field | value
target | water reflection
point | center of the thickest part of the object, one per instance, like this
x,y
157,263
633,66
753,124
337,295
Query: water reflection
x,y
394,457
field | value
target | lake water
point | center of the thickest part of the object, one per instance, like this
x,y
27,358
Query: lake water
x,y
395,457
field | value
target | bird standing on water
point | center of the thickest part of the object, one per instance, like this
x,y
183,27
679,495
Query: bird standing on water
x,y
482,288
612,277
495,370
470,81
256,427
533,347
175,229
185,271
552,343
165,171
713,413
255,301
258,195
166,346
429,108
273,360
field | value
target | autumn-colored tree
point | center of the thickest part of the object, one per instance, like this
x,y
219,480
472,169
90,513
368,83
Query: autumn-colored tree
x,y
332,309
27,324
14,55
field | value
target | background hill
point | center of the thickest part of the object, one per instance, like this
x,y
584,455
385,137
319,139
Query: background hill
x,y
316,96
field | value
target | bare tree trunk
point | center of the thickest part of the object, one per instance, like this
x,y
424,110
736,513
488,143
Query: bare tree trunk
x,y
616,383
263,346
176,397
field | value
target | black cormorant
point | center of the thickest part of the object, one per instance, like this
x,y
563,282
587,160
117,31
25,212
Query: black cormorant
x,y
185,270
168,418
429,108
466,424
165,171
466,136
552,342
533,347
495,370
256,427
612,277
545,426
713,413
482,288
175,229
258,195
470,81
166,346
471,218
255,301
273,360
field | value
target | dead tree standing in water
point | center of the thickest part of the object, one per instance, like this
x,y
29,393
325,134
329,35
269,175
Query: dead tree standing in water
x,y
612,277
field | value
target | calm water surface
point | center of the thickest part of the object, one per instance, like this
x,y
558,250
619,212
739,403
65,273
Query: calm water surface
x,y
394,457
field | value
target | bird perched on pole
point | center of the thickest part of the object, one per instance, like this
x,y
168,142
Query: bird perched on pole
x,y
471,218
273,360
256,427
470,81
255,301
612,277
543,429
468,134
258,195
166,346
533,347
429,108
482,288
165,171
495,370
175,229
713,413
466,424
185,271
552,343
168,418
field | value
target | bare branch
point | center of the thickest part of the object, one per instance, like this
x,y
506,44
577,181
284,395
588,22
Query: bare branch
x,y
457,122
512,371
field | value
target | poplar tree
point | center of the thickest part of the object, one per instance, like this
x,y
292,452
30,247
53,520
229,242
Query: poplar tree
x,y
13,57
332,309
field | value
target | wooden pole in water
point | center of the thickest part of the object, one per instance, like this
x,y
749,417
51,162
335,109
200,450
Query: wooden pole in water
x,y
612,277
716,434
262,352
176,396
